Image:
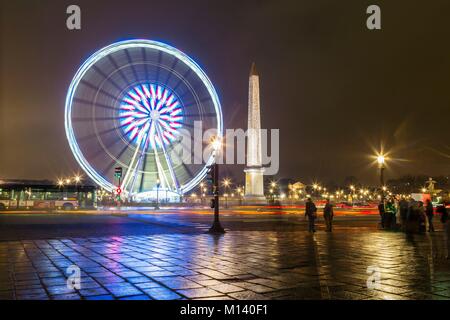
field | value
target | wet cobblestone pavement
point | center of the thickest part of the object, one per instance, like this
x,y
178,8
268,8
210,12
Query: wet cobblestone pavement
x,y
239,265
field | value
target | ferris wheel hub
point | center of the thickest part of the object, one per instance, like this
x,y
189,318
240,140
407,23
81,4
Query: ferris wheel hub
x,y
155,115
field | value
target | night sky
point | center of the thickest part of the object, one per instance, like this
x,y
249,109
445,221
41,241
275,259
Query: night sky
x,y
334,89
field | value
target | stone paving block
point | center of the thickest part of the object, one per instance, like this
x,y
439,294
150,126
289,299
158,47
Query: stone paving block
x,y
140,298
71,296
32,297
59,281
177,282
269,283
198,277
105,297
88,292
380,295
128,274
147,285
217,298
135,280
444,293
122,289
199,293
51,274
347,295
207,283
253,287
27,282
247,295
58,290
39,290
214,274
109,279
161,293
424,296
153,274
88,284
147,270
226,288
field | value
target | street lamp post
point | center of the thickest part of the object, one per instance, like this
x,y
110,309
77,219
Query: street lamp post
x,y
226,184
239,192
216,228
273,186
381,165
77,180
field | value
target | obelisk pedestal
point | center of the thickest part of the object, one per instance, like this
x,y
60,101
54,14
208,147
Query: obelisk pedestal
x,y
254,172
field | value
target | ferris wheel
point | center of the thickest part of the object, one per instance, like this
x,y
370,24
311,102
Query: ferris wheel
x,y
134,104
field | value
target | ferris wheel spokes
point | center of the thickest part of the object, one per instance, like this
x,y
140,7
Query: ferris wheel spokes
x,y
144,150
133,169
168,159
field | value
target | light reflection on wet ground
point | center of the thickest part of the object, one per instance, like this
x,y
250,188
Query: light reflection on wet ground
x,y
251,264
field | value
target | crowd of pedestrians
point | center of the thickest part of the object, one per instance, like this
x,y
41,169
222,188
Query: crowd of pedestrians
x,y
414,216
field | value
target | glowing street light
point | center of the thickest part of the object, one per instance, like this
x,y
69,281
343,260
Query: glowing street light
x,y
226,182
381,159
216,143
77,180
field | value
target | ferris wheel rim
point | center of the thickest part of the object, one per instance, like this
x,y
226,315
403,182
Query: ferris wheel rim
x,y
110,49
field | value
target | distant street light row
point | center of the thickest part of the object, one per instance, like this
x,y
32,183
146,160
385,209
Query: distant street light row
x,y
66,181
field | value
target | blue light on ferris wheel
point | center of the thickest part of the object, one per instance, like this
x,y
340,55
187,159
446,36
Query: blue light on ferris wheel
x,y
147,107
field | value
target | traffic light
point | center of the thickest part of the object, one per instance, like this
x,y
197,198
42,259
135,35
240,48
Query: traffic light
x,y
119,190
211,178
210,174
118,172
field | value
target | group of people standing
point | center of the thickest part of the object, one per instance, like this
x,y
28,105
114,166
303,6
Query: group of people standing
x,y
414,216
311,214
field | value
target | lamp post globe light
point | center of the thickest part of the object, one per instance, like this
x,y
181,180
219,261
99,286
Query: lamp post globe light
x,y
226,184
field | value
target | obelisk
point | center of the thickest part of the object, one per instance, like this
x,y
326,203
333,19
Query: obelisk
x,y
254,172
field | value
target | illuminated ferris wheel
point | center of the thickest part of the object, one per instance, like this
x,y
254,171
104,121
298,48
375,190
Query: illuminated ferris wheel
x,y
135,104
